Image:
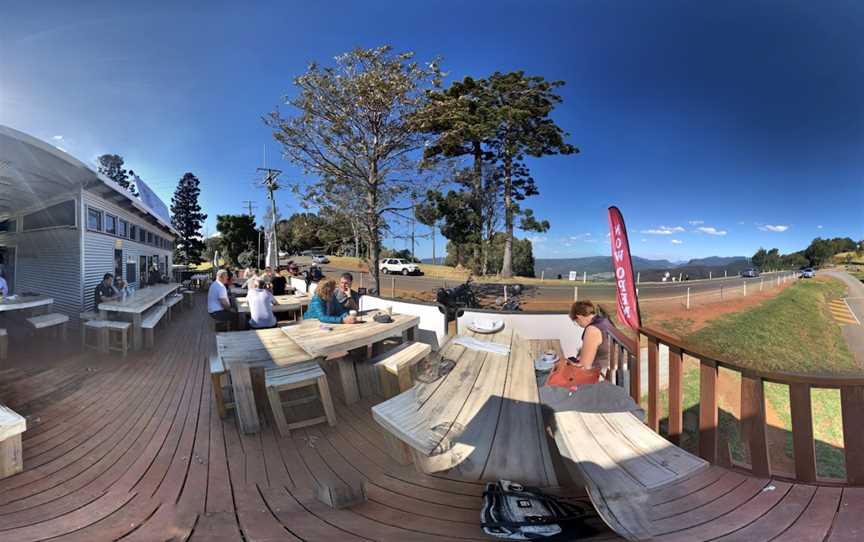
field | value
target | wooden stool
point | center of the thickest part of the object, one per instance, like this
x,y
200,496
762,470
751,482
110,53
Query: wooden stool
x,y
221,379
301,375
98,327
4,344
53,319
12,425
121,330
85,317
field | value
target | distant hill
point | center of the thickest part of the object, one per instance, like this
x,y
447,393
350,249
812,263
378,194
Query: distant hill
x,y
717,261
591,265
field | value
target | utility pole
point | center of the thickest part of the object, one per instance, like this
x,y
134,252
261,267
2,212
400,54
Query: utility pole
x,y
271,185
413,221
250,205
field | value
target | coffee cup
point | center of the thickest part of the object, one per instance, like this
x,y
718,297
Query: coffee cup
x,y
352,313
389,310
548,355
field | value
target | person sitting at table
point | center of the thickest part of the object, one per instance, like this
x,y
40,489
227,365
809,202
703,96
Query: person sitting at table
x,y
105,290
593,358
278,284
249,278
260,302
320,303
4,288
218,303
345,297
121,286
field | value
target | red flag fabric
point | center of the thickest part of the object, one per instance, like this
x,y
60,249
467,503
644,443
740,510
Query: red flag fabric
x,y
625,283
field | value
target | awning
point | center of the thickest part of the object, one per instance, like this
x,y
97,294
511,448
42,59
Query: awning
x,y
33,171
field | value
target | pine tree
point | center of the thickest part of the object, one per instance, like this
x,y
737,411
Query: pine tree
x,y
186,216
111,165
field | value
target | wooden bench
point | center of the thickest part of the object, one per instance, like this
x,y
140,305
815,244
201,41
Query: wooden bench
x,y
171,301
54,319
12,425
621,462
149,321
4,344
221,381
300,375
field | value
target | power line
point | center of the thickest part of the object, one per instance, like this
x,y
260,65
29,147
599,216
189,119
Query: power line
x,y
250,205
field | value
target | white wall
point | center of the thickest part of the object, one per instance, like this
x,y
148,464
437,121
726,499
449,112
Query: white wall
x,y
432,329
532,326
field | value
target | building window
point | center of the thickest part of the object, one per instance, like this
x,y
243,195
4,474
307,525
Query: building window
x,y
149,238
142,235
133,232
122,228
111,224
8,225
55,216
94,219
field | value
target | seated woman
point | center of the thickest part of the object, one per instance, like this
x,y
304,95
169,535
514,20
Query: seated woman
x,y
321,306
261,303
593,355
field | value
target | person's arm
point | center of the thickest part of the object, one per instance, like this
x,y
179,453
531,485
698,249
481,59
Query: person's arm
x,y
590,345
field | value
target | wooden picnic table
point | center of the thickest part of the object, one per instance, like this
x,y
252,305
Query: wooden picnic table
x,y
482,420
321,340
135,305
243,351
19,302
287,303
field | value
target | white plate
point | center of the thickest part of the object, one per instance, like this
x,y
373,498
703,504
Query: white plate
x,y
541,365
486,326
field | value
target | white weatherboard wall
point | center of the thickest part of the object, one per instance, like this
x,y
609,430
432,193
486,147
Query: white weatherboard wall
x,y
99,247
432,329
300,285
47,261
532,326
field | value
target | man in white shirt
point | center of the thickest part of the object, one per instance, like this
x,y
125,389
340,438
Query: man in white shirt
x,y
4,288
261,303
218,304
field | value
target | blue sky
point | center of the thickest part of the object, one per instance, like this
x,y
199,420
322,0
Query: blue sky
x,y
717,128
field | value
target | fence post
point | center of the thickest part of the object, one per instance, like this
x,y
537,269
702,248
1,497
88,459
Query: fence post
x,y
688,298
679,276
709,275
392,287
721,293
725,274
542,275
745,288
760,283
584,277
638,277
575,293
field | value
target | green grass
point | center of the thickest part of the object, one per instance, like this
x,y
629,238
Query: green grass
x,y
792,332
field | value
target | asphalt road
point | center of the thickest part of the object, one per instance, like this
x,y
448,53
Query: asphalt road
x,y
557,292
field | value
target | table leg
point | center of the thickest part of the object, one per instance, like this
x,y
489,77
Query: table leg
x,y
137,332
244,398
348,374
412,333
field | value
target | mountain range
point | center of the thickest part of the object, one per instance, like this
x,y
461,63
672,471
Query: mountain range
x,y
603,264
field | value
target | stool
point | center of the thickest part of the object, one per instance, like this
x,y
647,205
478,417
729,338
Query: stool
x,y
121,330
86,317
49,320
301,375
4,344
187,298
97,326
221,379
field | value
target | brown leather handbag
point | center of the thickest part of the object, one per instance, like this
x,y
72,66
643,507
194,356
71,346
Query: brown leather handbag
x,y
566,375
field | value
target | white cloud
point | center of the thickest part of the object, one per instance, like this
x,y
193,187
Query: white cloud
x,y
644,240
777,228
664,230
819,227
677,242
57,137
712,231
696,222
583,238
741,223
537,239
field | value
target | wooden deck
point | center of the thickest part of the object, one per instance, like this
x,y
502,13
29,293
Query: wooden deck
x,y
133,449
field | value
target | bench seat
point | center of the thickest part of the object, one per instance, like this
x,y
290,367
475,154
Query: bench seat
x,y
12,425
621,462
4,344
149,322
53,319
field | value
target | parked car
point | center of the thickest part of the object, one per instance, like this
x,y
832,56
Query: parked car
x,y
320,259
750,273
396,265
808,273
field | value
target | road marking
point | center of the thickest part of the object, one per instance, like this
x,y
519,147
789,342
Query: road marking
x,y
842,313
851,311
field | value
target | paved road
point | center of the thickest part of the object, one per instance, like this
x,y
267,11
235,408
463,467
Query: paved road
x,y
853,333
557,292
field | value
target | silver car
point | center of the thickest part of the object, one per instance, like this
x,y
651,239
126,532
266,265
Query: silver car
x,y
808,273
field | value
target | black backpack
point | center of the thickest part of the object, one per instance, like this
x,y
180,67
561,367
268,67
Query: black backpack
x,y
515,512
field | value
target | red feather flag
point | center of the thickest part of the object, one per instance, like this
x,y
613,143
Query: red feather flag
x,y
625,283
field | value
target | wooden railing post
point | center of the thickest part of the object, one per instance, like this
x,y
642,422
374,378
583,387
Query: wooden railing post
x,y
802,432
852,408
676,420
653,383
753,423
634,369
708,410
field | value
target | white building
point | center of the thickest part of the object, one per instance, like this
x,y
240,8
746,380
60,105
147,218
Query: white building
x,y
63,225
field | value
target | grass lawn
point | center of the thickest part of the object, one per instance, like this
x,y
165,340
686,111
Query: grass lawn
x,y
789,333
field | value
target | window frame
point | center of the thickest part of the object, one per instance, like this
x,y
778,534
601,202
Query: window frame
x,y
101,219
122,228
113,230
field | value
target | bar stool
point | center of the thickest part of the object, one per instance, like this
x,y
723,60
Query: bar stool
x,y
220,378
121,331
85,317
98,328
301,375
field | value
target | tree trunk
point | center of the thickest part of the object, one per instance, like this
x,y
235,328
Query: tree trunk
x,y
433,243
507,263
478,206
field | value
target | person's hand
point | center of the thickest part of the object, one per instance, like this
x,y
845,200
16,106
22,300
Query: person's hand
x,y
349,319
